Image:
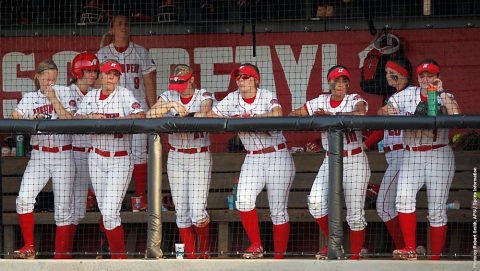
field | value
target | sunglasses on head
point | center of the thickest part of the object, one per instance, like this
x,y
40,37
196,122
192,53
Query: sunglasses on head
x,y
242,76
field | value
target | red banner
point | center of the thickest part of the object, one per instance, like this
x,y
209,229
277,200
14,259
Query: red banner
x,y
293,65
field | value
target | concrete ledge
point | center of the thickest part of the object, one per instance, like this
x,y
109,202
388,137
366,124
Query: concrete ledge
x,y
233,264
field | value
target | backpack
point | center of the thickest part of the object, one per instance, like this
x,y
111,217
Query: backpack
x,y
373,75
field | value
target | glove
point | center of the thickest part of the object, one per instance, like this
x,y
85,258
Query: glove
x,y
422,109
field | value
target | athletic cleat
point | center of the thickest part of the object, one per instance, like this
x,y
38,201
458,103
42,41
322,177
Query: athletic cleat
x,y
253,252
26,252
322,254
409,254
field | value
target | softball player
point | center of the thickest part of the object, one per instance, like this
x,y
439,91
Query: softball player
x,y
398,76
267,163
51,158
189,163
109,162
356,171
138,76
427,160
85,68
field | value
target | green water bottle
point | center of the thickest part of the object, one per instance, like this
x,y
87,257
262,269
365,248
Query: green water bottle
x,y
432,101
20,146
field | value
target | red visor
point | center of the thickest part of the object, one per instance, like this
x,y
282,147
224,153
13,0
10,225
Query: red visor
x,y
110,66
248,70
179,82
394,66
428,67
337,72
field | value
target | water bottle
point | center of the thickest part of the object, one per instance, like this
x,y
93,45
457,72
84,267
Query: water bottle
x,y
432,101
20,147
454,205
380,146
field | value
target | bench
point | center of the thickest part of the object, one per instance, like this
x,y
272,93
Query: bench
x,y
226,167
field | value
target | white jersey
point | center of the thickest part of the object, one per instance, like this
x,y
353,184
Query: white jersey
x,y
119,103
406,102
233,105
80,140
135,62
352,139
392,137
188,140
37,103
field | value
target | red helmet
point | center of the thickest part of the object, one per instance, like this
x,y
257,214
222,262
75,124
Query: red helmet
x,y
84,61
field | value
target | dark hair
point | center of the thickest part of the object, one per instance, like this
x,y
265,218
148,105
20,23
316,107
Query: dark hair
x,y
404,63
112,22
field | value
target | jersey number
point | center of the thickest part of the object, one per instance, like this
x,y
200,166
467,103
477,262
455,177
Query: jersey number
x,y
394,132
197,135
136,82
117,135
350,137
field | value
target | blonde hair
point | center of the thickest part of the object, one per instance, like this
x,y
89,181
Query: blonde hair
x,y
46,64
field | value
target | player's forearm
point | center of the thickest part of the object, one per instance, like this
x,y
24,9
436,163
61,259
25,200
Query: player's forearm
x,y
149,82
159,109
17,115
62,113
276,112
450,104
212,114
139,115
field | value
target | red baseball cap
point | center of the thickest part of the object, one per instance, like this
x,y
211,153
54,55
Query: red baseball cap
x,y
337,72
428,67
179,78
248,70
110,66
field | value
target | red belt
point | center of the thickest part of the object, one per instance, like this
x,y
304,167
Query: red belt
x,y
425,147
110,154
269,149
395,147
190,151
81,149
352,152
52,149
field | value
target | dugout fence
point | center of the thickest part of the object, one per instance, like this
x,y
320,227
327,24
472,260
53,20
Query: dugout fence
x,y
155,231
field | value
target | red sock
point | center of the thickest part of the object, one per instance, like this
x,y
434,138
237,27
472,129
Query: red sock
x,y
27,224
116,240
203,234
437,241
357,238
323,223
393,228
408,225
140,178
188,239
73,229
250,224
62,237
281,234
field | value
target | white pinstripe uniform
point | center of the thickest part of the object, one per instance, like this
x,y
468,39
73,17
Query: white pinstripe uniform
x,y
110,163
81,146
428,160
136,62
356,171
189,165
394,150
51,157
275,169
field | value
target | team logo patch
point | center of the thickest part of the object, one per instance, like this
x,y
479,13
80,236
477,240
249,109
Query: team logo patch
x,y
136,105
72,103
274,101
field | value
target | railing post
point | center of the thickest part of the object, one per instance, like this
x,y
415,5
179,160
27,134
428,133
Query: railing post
x,y
335,194
154,215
